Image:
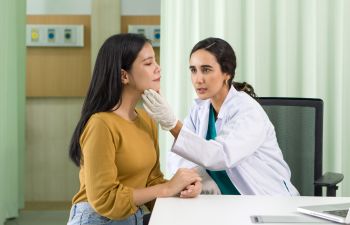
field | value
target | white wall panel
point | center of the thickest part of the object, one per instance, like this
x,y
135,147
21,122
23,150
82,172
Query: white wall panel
x,y
59,7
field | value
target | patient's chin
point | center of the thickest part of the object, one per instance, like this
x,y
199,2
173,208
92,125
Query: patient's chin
x,y
157,89
153,88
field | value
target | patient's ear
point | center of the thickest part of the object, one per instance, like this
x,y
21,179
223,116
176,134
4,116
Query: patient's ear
x,y
125,77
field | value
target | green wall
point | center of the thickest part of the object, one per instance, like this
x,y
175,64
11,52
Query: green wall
x,y
12,106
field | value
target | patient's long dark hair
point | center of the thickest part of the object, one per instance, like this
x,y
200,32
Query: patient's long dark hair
x,y
226,58
104,93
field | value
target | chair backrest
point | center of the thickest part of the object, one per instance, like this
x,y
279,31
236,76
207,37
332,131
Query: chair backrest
x,y
298,124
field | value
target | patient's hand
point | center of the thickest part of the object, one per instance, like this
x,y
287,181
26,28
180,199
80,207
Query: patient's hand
x,y
192,190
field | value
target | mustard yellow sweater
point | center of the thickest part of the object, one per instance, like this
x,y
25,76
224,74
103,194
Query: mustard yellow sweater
x,y
118,155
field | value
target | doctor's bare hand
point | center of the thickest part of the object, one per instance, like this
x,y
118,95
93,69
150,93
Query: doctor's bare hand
x,y
183,178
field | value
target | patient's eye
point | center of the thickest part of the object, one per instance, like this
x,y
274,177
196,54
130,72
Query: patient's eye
x,y
148,62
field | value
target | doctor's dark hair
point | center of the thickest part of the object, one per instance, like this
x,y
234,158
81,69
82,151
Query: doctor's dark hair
x,y
226,58
104,94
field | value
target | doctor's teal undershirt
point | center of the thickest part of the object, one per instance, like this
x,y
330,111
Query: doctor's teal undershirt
x,y
220,177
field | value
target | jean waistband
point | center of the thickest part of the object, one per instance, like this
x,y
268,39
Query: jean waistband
x,y
82,206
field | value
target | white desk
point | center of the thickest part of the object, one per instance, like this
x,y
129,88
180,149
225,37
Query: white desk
x,y
229,210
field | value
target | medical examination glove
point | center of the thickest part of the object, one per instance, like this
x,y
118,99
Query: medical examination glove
x,y
209,187
158,109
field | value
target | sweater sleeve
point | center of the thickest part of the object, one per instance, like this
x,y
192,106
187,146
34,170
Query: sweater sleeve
x,y
105,193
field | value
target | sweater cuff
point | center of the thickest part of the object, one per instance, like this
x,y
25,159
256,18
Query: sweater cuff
x,y
133,206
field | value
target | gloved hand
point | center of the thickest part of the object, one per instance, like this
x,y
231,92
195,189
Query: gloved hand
x,y
209,187
159,109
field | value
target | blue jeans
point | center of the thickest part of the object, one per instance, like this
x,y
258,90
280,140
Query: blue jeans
x,y
83,214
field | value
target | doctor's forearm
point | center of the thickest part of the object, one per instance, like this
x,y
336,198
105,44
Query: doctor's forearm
x,y
176,130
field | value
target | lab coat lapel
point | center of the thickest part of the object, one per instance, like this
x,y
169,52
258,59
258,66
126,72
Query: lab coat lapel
x,y
203,118
203,113
227,104
226,108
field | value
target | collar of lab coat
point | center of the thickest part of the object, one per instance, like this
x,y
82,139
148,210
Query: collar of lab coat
x,y
204,104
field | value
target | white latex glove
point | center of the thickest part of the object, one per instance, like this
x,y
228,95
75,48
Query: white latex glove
x,y
209,187
159,109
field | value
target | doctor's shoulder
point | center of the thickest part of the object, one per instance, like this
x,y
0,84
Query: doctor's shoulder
x,y
242,106
250,104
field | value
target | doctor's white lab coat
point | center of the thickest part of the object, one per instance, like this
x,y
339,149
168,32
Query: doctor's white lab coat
x,y
245,146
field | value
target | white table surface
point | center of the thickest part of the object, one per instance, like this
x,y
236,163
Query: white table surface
x,y
229,209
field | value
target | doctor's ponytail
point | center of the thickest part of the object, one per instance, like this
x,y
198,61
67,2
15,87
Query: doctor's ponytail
x,y
247,88
226,58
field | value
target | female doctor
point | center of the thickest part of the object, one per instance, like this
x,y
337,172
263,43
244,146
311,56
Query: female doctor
x,y
227,134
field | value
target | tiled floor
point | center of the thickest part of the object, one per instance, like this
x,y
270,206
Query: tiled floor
x,y
40,213
46,217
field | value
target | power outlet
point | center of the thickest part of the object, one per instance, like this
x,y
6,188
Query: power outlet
x,y
55,35
151,32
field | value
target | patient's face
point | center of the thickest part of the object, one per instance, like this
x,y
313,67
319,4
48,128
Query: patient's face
x,y
145,71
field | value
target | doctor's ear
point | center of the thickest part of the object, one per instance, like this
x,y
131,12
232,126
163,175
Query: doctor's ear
x,y
125,77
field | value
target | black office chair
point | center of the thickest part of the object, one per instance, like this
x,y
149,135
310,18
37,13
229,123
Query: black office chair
x,y
298,124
